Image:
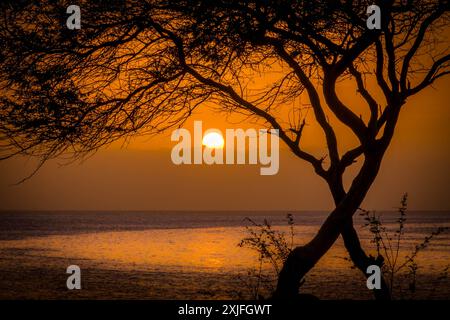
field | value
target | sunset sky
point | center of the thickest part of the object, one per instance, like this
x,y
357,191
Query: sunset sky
x,y
141,175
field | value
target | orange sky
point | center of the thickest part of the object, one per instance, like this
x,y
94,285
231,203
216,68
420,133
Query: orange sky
x,y
142,176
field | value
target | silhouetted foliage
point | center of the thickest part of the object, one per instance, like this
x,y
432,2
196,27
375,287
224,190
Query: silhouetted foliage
x,y
401,274
273,247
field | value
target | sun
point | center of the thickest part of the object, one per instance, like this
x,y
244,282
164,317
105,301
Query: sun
x,y
213,140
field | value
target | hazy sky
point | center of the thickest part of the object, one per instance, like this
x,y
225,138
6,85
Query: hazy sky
x,y
142,176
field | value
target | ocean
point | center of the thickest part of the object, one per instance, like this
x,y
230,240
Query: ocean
x,y
192,255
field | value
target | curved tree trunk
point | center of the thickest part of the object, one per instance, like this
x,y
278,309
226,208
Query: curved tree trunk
x,y
361,260
351,241
303,258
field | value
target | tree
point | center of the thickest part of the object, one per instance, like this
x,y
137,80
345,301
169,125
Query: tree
x,y
138,67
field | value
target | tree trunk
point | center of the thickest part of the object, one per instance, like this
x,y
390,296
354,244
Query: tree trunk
x,y
303,258
352,243
361,260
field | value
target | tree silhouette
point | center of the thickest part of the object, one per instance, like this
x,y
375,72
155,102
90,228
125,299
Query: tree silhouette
x,y
140,67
